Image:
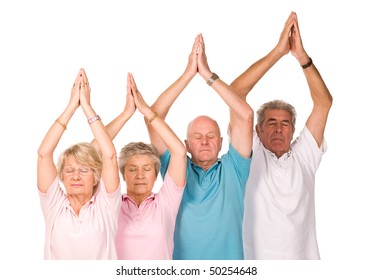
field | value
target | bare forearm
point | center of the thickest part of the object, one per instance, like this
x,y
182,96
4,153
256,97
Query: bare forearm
x,y
55,132
237,105
244,83
117,124
318,89
164,102
99,131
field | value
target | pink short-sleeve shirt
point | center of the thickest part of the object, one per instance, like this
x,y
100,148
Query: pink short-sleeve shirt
x,y
89,235
146,232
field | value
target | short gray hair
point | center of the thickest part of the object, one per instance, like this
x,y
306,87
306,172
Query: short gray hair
x,y
138,148
276,105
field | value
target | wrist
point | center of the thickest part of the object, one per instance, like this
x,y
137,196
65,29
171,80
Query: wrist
x,y
303,58
206,75
307,64
212,78
153,117
93,119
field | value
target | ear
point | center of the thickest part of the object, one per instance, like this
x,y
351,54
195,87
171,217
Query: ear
x,y
187,145
258,129
220,144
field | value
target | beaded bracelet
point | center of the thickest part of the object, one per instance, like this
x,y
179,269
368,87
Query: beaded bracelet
x,y
93,119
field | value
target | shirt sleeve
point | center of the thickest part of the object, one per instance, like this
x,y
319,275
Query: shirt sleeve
x,y
164,163
307,148
112,200
53,198
171,193
241,165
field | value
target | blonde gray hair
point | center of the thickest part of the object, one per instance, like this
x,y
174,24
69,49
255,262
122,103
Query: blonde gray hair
x,y
138,148
86,155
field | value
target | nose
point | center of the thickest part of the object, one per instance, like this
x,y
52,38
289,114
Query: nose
x,y
278,128
76,175
204,140
140,173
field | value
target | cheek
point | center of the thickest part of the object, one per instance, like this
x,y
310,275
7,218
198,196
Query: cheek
x,y
91,181
152,177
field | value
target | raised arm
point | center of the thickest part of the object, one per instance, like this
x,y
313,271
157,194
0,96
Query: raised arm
x,y
46,168
167,98
177,164
244,83
117,124
320,94
110,171
241,114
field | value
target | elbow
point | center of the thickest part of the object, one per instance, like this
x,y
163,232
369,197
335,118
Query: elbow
x,y
180,151
43,153
330,100
327,102
248,114
111,154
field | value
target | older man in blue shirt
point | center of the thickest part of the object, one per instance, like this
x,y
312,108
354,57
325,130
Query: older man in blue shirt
x,y
209,222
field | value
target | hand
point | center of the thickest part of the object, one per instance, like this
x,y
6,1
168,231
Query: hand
x,y
203,67
130,106
84,88
192,65
284,44
140,103
297,49
75,98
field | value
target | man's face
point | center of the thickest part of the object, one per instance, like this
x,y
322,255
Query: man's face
x,y
276,132
204,141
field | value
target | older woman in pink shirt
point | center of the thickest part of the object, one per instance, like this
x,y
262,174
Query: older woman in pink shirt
x,y
81,220
147,219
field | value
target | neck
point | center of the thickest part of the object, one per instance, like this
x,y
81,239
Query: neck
x,y
78,201
138,198
206,165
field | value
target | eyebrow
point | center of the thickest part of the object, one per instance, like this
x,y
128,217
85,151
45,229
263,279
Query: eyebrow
x,y
134,165
273,119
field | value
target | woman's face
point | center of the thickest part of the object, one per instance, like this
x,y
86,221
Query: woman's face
x,y
79,180
140,175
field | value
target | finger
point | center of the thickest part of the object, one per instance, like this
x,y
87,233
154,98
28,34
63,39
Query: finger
x,y
76,82
80,82
85,77
128,84
133,82
296,27
195,46
202,41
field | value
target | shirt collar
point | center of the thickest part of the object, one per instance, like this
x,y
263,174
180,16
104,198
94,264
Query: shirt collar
x,y
127,197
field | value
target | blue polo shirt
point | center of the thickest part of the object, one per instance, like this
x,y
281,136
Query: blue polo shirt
x,y
209,221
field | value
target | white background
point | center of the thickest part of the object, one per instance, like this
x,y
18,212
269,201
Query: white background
x,y
44,43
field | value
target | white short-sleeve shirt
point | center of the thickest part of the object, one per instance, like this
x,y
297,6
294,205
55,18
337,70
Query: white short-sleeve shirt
x,y
279,216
